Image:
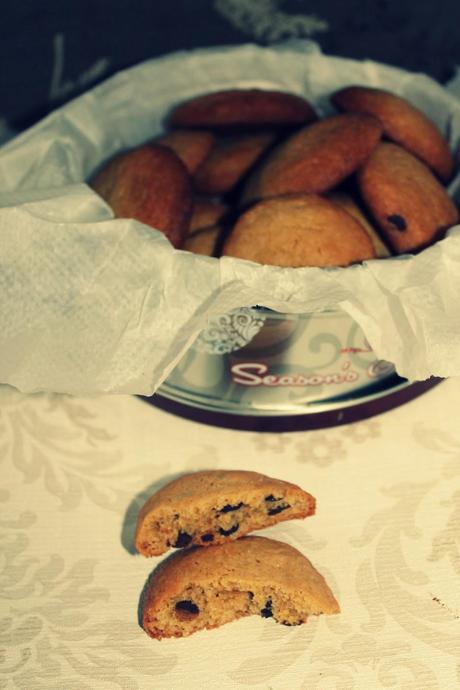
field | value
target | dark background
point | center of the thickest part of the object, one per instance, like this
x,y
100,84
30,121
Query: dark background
x,y
54,49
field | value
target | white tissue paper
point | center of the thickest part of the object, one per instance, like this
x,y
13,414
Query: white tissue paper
x,y
92,304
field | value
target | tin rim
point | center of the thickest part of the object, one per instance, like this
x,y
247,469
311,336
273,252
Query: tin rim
x,y
376,390
323,416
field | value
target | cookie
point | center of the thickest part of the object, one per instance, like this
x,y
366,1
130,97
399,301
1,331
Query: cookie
x,y
191,147
229,161
214,506
409,205
403,124
151,185
200,588
298,230
348,203
316,158
243,108
206,214
203,241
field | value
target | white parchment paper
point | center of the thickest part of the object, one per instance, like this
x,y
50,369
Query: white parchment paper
x,y
90,304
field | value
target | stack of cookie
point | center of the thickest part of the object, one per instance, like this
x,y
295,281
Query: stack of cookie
x,y
256,175
220,574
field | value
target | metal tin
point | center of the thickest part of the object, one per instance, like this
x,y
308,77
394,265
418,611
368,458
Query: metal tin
x,y
254,363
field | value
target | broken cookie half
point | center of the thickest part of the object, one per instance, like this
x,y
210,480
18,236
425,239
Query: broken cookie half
x,y
199,588
212,507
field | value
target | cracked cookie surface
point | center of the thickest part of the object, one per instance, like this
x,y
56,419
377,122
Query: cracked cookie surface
x,y
211,507
205,588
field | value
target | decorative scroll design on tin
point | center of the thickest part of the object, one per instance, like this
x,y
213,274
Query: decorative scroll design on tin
x,y
230,332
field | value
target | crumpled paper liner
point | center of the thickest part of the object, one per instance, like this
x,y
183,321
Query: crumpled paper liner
x,y
92,304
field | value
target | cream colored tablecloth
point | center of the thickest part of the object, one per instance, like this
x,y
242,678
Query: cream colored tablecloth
x,y
386,536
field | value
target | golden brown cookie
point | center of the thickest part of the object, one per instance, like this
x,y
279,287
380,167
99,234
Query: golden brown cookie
x,y
243,108
191,147
207,213
203,241
299,230
403,123
213,506
151,185
200,588
316,158
349,204
229,161
407,202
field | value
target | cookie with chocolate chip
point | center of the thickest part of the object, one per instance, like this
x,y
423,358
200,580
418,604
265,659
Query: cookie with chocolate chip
x,y
214,506
403,123
237,108
316,158
410,206
198,589
299,230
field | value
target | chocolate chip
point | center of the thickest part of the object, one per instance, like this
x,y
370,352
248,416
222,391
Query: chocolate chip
x,y
187,606
398,221
227,532
278,509
251,595
229,508
267,612
271,498
183,539
207,537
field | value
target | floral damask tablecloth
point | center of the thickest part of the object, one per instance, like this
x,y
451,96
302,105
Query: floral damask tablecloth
x,y
386,536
